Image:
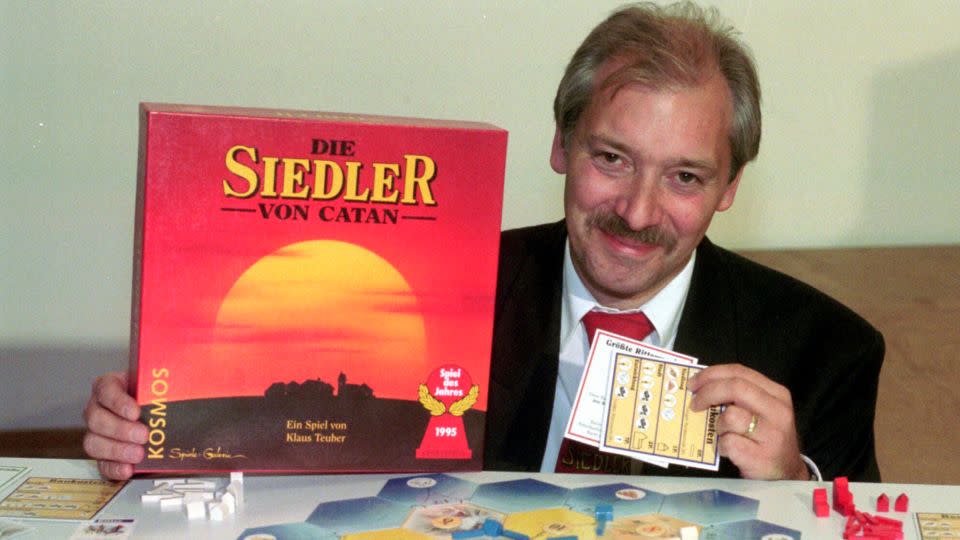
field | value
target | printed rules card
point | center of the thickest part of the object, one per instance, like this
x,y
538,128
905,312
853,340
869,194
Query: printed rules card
x,y
648,414
587,412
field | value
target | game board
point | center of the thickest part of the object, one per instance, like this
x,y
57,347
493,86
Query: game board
x,y
439,506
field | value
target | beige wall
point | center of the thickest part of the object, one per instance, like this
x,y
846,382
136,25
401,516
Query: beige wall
x,y
861,103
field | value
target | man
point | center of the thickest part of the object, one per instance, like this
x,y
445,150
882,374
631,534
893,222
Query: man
x,y
657,115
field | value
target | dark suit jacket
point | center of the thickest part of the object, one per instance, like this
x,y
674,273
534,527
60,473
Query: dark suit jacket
x,y
736,311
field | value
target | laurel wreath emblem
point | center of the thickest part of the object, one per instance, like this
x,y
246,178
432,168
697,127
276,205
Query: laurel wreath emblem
x,y
457,408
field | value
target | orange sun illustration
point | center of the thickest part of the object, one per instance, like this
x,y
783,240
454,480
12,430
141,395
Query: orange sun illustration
x,y
315,309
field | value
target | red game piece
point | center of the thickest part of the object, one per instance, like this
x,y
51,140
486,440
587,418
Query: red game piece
x,y
883,503
840,484
875,527
820,506
902,503
842,498
890,521
851,528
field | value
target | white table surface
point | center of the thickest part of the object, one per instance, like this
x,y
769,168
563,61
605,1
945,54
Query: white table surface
x,y
281,499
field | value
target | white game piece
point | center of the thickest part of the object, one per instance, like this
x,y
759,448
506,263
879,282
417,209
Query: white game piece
x,y
229,501
169,481
196,509
184,488
205,484
154,496
215,509
192,496
689,533
237,491
171,502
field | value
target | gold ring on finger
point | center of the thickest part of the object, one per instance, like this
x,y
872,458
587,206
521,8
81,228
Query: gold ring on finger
x,y
752,427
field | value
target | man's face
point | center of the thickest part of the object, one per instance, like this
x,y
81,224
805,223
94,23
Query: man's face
x,y
645,171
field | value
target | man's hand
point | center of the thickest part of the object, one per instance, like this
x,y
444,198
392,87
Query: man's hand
x,y
114,437
769,450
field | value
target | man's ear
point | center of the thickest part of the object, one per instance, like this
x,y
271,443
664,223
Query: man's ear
x,y
730,192
558,154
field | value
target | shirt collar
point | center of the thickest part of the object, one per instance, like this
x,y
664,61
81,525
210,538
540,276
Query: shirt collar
x,y
663,309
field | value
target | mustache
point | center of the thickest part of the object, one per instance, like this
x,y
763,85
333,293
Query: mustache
x,y
615,225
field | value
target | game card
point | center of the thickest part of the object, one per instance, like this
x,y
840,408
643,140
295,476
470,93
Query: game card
x,y
934,525
648,414
10,474
587,413
101,529
59,498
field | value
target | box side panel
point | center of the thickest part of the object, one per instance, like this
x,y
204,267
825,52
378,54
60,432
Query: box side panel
x,y
134,350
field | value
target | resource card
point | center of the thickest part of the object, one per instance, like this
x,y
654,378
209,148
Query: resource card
x,y
648,414
59,498
587,412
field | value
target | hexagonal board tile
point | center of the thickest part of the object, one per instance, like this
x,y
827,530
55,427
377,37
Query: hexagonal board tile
x,y
427,489
288,531
388,534
519,495
444,519
554,522
627,500
648,527
749,530
709,506
352,515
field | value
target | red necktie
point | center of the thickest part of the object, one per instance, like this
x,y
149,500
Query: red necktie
x,y
576,457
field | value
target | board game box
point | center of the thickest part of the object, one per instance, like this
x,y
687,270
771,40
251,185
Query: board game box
x,y
313,291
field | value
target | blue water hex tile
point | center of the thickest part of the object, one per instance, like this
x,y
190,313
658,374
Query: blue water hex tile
x,y
627,500
427,489
352,515
519,495
290,531
749,530
709,506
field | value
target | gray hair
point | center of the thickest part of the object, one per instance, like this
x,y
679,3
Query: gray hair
x,y
664,47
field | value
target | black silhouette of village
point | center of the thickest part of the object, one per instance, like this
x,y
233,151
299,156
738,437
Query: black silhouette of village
x,y
381,434
318,389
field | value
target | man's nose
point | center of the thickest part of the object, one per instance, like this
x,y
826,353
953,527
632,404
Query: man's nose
x,y
639,202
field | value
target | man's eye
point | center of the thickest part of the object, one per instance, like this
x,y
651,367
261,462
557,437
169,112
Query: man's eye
x,y
609,157
687,177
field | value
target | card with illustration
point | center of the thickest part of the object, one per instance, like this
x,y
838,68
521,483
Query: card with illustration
x,y
587,415
648,414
